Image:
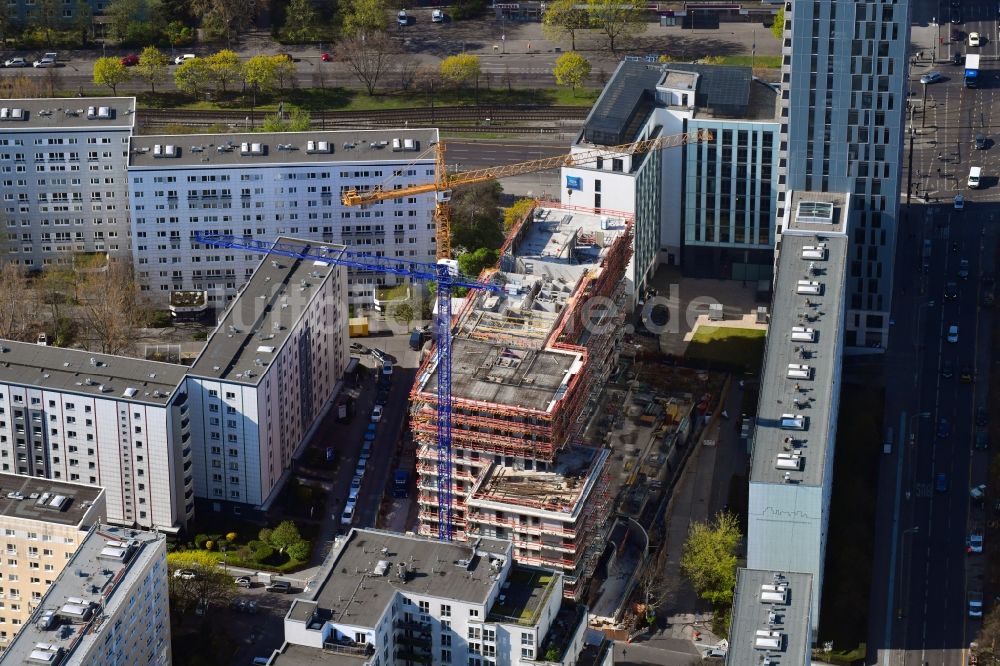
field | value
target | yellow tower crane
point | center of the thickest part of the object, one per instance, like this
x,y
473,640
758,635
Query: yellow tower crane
x,y
444,181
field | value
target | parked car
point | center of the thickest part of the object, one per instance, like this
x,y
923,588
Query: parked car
x,y
376,413
980,142
358,348
975,606
402,18
359,469
281,586
953,333
959,202
244,581
437,16
941,482
347,517
963,269
387,368
974,39
185,574
184,57
47,60
974,542
931,77
15,62
978,492
131,60
326,57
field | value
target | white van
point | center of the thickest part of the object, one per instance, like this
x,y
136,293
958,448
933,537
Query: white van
x,y
975,174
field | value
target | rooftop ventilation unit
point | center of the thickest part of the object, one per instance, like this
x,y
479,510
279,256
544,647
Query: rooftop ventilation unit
x,y
397,145
313,147
766,639
799,371
264,349
7,113
162,150
381,568
809,287
814,252
793,422
129,392
44,653
253,149
789,461
803,334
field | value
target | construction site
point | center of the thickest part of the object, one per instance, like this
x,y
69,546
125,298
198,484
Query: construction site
x,y
528,368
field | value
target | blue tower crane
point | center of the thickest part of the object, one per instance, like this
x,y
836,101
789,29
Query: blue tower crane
x,y
445,280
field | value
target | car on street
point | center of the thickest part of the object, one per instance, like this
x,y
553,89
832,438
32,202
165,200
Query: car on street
x,y
956,17
184,57
982,440
15,62
402,18
957,58
974,39
437,16
376,413
347,517
47,60
931,77
355,482
386,368
281,586
966,375
980,142
382,397
185,574
943,428
963,269
384,357
243,581
978,492
950,291
358,348
982,417
959,202
974,542
941,482
953,333
352,494
359,469
325,57
947,370
975,606
131,60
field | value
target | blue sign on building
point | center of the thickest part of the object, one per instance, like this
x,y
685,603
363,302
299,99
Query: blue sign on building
x,y
574,183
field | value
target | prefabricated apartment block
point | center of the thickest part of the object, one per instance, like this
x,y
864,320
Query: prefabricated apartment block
x,y
528,366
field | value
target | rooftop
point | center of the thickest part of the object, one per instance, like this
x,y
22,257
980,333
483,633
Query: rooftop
x,y
62,113
301,655
770,618
558,490
31,498
524,595
87,373
500,351
799,387
70,616
358,586
256,325
274,148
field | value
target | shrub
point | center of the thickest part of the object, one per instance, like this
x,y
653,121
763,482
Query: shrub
x,y
262,553
299,550
231,536
265,534
200,539
209,545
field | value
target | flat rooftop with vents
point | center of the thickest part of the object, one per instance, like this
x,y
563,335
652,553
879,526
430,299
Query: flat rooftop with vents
x,y
556,491
87,373
56,114
772,622
275,148
256,325
800,384
361,578
71,616
30,498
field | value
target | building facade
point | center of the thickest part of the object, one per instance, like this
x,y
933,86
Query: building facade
x,y
119,423
709,205
267,375
63,176
261,186
415,600
108,606
42,523
843,112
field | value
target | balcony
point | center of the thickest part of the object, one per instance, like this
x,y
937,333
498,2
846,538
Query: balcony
x,y
410,655
349,648
422,640
412,625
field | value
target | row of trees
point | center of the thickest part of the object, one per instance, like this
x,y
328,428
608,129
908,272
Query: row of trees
x,y
617,20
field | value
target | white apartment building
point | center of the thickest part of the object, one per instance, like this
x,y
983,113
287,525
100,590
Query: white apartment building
x,y
63,177
386,598
269,372
42,523
261,186
110,421
109,606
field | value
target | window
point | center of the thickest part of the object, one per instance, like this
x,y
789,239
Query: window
x,y
425,607
445,610
473,612
445,656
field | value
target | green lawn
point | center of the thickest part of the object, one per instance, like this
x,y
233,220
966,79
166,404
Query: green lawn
x,y
343,99
768,61
726,347
851,541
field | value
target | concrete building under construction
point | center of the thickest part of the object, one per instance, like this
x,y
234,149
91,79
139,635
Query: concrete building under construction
x,y
528,366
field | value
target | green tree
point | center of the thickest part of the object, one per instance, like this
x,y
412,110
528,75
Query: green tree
x,y
259,73
475,216
6,23
516,213
265,534
284,72
571,69
152,66
473,263
368,56
83,18
284,535
565,17
225,66
47,17
209,585
178,34
301,22
461,69
365,17
119,14
403,313
226,19
110,72
619,20
193,76
778,26
709,560
300,550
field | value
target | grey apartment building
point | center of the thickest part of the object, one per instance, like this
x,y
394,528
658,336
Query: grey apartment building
x,y
844,77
